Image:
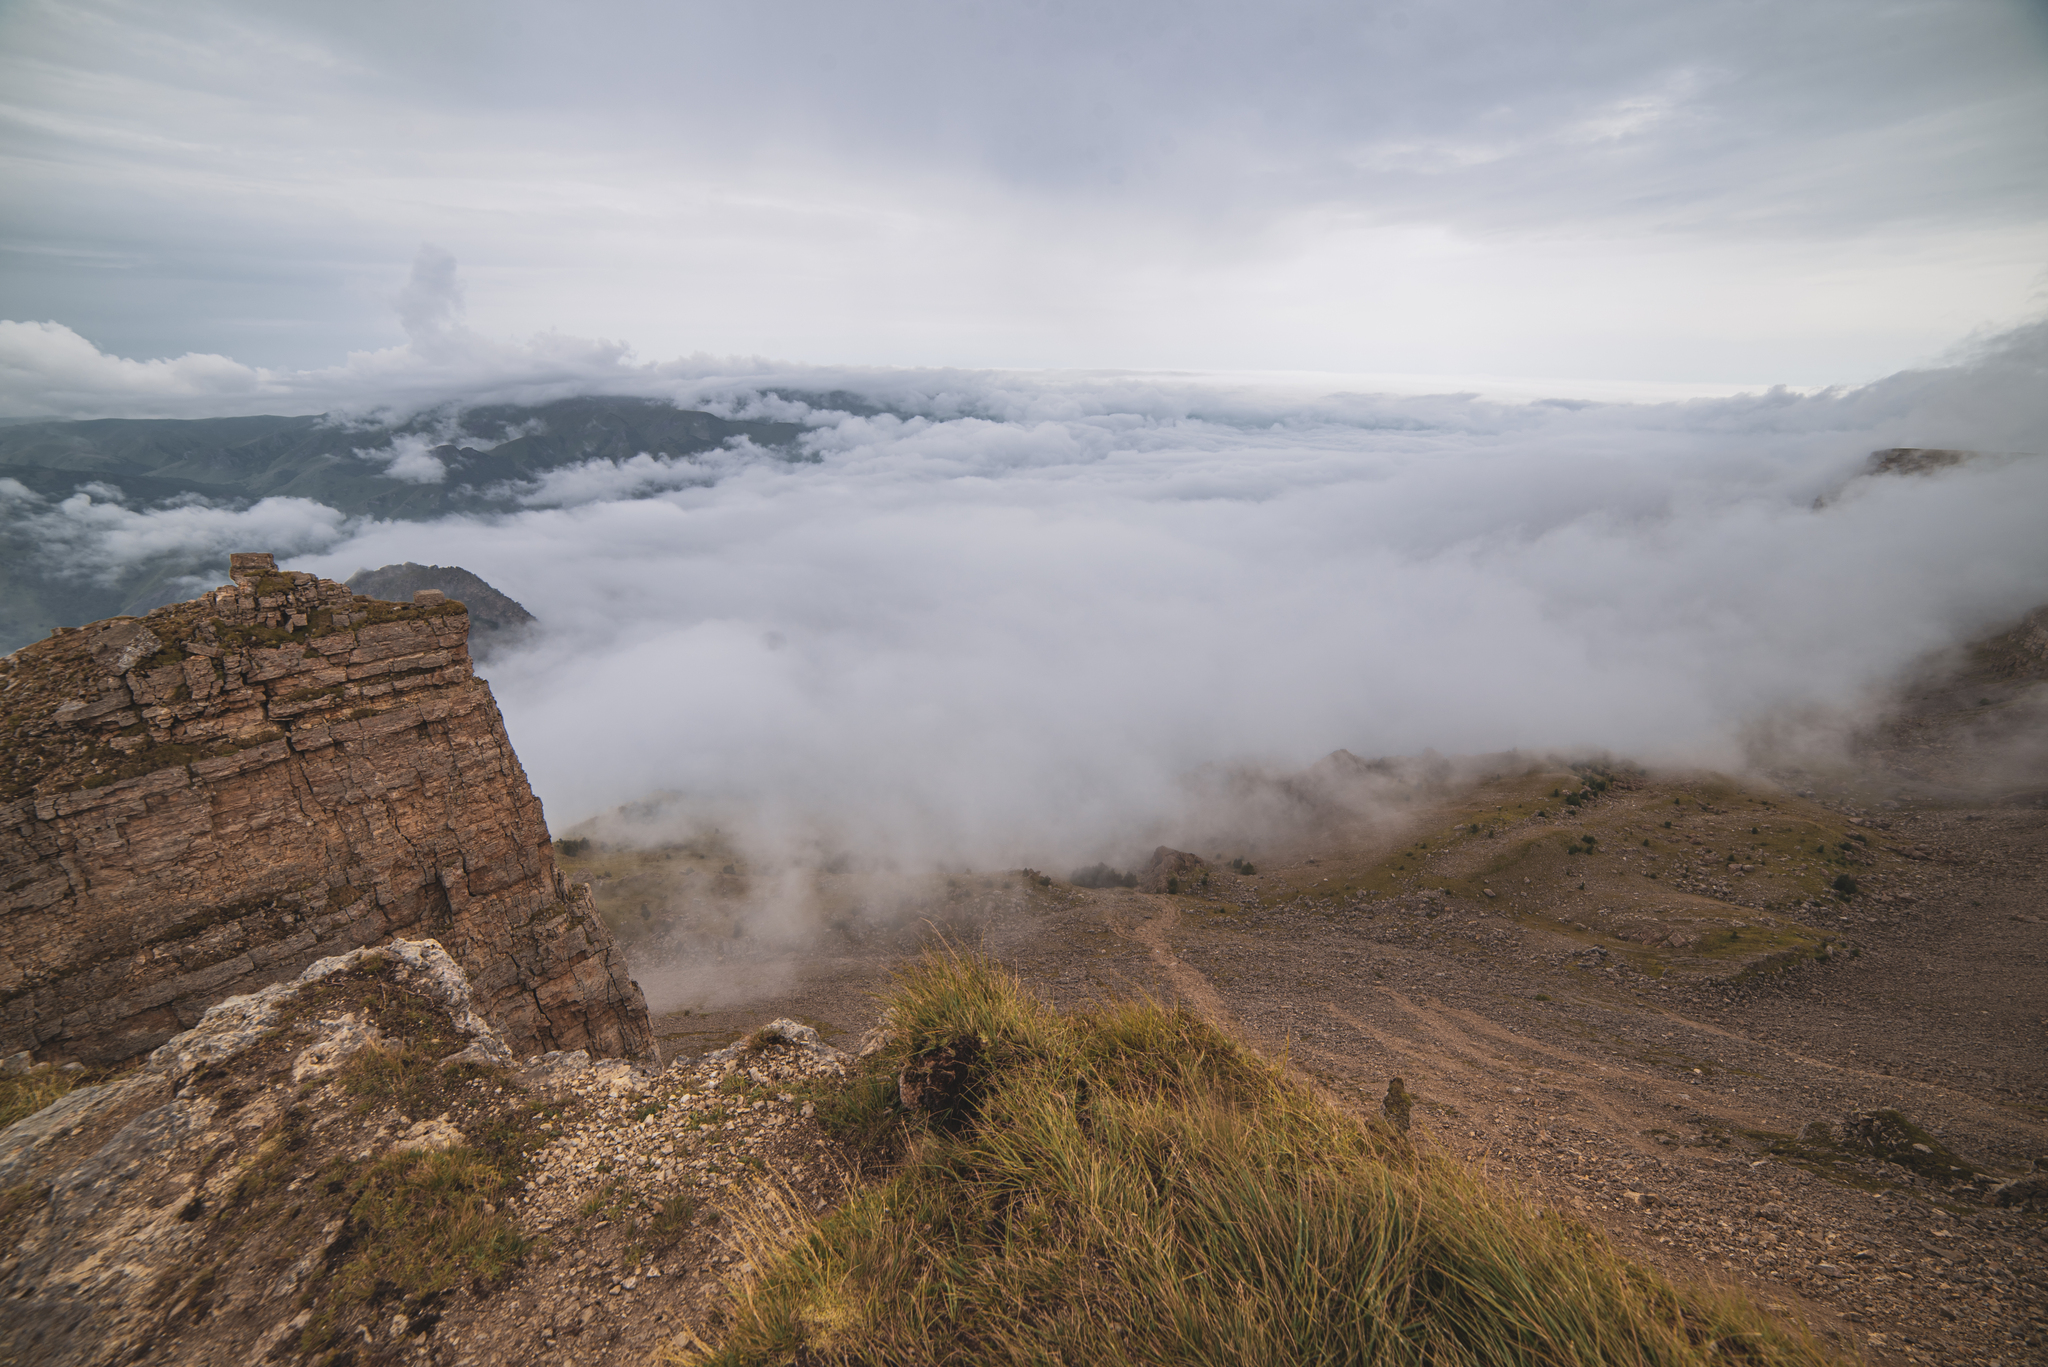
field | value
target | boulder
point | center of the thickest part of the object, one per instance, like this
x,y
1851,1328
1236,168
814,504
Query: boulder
x,y
1178,866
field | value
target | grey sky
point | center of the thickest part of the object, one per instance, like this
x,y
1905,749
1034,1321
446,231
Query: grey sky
x,y
1717,192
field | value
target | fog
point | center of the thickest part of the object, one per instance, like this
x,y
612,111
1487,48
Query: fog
x,y
979,620
1008,621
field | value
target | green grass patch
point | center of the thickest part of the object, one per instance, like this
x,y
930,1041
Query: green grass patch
x,y
422,1223
1129,1185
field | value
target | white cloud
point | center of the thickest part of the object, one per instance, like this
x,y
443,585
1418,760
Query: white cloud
x,y
47,370
1009,631
90,535
410,457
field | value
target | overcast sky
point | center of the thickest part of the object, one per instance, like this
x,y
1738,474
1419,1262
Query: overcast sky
x,y
1703,193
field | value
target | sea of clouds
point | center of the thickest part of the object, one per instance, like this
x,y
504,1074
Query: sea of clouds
x,y
1004,620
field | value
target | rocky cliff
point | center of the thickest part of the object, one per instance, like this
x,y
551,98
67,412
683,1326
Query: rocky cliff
x,y
206,799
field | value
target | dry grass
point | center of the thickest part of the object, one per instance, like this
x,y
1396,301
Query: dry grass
x,y
23,1094
1130,1186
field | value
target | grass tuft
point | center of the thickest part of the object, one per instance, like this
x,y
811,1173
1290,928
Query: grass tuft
x,y
425,1222
23,1094
1135,1187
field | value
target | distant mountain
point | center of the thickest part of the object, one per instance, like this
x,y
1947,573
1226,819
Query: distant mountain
x,y
151,459
476,461
496,622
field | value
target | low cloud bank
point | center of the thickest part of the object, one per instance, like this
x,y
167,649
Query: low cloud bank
x,y
1008,620
991,619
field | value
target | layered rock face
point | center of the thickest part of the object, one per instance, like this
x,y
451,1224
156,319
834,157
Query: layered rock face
x,y
205,800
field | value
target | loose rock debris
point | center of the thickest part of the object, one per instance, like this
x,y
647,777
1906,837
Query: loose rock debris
x,y
638,1200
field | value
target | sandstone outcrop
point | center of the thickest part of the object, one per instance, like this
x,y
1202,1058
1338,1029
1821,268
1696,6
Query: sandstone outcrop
x,y
204,800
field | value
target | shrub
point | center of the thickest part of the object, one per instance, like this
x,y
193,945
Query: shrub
x,y
1102,876
1844,885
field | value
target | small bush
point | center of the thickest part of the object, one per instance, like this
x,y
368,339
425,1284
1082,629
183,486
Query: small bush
x,y
671,1222
1102,876
572,849
1844,885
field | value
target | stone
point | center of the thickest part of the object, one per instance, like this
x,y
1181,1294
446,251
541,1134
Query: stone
x,y
210,798
341,1039
429,1136
2030,1190
792,1034
1398,1105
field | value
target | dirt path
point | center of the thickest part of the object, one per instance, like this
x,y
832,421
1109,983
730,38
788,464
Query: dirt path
x,y
1190,985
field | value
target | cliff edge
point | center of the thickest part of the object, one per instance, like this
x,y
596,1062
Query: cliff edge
x,y
204,800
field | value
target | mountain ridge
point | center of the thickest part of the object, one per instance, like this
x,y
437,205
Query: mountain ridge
x,y
472,460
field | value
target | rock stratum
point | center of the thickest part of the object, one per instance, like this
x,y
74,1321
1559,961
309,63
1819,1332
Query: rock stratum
x,y
204,800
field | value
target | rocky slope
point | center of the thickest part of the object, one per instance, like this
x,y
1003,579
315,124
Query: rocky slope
x,y
206,799
353,1167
